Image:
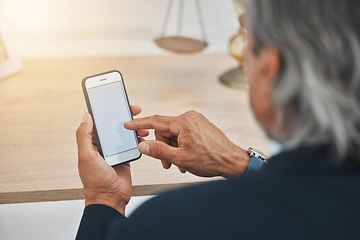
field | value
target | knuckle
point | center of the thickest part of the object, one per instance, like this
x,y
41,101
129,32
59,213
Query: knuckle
x,y
176,125
192,112
188,119
180,160
157,152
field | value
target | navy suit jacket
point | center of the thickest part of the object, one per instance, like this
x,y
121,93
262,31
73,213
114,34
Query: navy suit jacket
x,y
297,195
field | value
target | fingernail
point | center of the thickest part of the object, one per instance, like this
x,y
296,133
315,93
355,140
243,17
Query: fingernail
x,y
144,148
85,117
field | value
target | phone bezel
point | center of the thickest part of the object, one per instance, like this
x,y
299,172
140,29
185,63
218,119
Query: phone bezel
x,y
119,158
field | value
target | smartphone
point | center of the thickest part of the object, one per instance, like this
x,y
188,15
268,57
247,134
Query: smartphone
x,y
108,104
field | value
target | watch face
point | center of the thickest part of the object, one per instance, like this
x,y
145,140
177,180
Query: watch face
x,y
254,152
261,154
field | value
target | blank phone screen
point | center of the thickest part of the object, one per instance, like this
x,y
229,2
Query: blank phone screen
x,y
110,111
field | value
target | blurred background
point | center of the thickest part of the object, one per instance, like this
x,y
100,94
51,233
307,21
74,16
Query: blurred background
x,y
83,28
56,29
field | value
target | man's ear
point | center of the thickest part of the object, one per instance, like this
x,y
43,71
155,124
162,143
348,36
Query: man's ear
x,y
270,64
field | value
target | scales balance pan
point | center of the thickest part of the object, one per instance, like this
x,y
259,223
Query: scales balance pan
x,y
178,44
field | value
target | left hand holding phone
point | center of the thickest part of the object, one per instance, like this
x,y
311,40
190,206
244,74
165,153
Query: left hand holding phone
x,y
102,183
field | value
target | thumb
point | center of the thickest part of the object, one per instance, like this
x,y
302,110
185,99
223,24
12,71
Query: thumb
x,y
84,133
159,150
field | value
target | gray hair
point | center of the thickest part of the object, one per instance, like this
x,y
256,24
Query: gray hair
x,y
317,93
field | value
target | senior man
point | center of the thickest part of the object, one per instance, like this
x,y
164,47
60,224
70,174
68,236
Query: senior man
x,y
303,66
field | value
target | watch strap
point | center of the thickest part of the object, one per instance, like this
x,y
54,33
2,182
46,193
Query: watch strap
x,y
254,165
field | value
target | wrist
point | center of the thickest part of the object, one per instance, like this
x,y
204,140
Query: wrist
x,y
238,159
109,199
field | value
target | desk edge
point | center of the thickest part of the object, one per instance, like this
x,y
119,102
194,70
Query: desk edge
x,y
76,194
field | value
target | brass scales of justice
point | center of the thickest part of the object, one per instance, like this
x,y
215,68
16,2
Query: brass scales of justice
x,y
178,43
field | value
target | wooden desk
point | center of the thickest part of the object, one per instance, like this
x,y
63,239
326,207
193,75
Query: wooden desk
x,y
41,107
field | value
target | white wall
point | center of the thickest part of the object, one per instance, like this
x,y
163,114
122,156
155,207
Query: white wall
x,y
47,220
77,28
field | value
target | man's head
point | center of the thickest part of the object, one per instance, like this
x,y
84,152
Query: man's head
x,y
303,65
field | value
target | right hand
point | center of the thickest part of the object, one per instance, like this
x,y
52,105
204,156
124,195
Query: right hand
x,y
192,143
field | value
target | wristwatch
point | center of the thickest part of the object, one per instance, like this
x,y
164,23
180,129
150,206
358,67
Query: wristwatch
x,y
256,153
